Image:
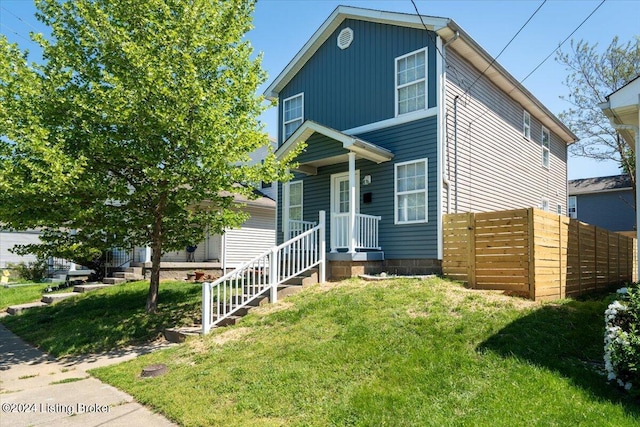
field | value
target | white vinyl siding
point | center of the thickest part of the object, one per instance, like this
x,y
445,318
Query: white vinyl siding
x,y
411,84
9,239
546,139
411,192
526,125
497,167
293,114
257,235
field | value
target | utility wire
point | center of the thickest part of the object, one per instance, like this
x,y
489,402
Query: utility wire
x,y
18,18
544,60
563,42
504,48
15,32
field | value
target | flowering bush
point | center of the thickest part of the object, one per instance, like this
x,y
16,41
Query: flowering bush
x,y
622,340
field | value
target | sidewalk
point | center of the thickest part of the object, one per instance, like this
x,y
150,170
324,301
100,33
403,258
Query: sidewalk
x,y
33,391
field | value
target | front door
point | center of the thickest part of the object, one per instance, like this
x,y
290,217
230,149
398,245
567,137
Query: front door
x,y
340,209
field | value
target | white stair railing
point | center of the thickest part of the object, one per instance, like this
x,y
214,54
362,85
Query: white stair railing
x,y
238,288
366,231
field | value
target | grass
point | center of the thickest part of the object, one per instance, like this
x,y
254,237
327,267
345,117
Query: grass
x,y
106,319
396,353
20,295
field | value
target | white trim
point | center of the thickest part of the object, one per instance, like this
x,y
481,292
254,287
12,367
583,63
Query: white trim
x,y
426,192
335,176
394,121
440,90
285,122
526,128
545,201
575,206
362,148
424,79
285,214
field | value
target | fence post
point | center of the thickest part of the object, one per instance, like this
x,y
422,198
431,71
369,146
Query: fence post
x,y
471,266
273,275
206,308
322,246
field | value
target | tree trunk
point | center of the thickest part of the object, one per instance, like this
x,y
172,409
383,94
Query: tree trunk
x,y
156,247
154,285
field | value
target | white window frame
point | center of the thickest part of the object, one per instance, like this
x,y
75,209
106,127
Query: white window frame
x,y
286,215
545,204
426,85
286,122
546,149
396,193
526,127
573,214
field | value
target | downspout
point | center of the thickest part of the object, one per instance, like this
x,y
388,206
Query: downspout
x,y
445,180
455,148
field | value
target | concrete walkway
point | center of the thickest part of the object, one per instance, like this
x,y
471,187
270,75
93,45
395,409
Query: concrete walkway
x,y
31,392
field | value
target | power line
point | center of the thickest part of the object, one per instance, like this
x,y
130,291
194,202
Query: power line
x,y
18,18
15,32
544,60
563,42
505,47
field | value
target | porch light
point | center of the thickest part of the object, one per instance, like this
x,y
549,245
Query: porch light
x,y
366,180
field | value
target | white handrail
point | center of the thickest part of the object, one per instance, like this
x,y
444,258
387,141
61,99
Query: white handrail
x,y
240,287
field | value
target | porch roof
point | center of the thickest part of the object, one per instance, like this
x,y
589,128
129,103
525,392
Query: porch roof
x,y
362,148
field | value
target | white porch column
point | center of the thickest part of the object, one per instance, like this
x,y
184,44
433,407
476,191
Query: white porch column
x,y
147,254
352,202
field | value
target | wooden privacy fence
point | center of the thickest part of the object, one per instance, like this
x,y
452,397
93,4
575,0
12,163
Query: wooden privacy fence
x,y
536,253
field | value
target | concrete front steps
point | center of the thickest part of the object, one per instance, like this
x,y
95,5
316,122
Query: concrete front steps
x,y
290,287
128,275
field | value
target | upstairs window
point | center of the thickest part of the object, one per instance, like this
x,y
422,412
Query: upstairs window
x,y
526,125
411,84
546,139
293,114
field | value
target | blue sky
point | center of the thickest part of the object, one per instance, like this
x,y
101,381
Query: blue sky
x,y
283,26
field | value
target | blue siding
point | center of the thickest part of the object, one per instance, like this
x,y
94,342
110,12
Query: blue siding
x,y
415,140
611,210
320,147
344,89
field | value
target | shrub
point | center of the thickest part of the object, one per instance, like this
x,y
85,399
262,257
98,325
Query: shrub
x,y
622,340
34,271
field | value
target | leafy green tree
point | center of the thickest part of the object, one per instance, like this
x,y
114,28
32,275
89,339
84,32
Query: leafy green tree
x,y
134,128
592,76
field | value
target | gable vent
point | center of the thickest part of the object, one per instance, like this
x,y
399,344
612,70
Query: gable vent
x,y
345,38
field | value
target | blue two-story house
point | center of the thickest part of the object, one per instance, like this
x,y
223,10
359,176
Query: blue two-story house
x,y
404,119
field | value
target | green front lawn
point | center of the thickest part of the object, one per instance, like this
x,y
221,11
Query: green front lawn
x,y
106,319
396,353
21,294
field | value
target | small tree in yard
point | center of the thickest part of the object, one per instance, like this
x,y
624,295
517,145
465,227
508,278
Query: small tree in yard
x,y
592,76
132,129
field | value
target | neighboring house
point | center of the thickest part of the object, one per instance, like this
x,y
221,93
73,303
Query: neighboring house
x,y
623,110
403,124
217,253
9,239
606,202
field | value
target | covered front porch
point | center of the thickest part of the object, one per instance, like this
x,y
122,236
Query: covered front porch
x,y
353,232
